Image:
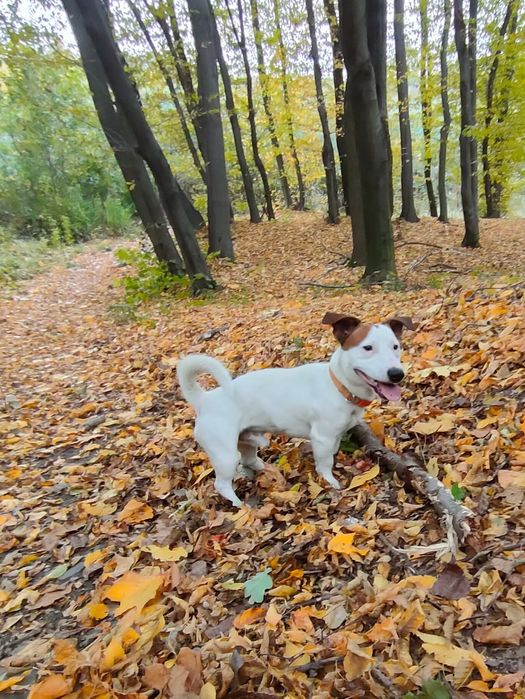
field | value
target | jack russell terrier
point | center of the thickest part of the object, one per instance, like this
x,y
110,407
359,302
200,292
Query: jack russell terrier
x,y
318,401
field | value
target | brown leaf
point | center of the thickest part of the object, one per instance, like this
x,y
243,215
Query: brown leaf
x,y
500,635
156,676
451,583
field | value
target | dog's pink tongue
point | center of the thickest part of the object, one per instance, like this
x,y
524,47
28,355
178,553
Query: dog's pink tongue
x,y
390,391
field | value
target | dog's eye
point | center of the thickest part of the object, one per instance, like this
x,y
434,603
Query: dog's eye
x,y
396,347
368,348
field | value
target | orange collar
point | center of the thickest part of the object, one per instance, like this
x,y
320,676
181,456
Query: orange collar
x,y
348,395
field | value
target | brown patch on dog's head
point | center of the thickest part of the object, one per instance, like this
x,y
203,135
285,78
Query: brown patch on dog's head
x,y
398,323
348,330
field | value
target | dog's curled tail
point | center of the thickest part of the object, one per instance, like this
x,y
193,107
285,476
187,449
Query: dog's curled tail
x,y
194,365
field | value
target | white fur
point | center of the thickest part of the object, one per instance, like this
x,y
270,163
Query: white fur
x,y
300,402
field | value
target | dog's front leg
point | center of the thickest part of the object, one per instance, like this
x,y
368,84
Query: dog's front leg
x,y
324,449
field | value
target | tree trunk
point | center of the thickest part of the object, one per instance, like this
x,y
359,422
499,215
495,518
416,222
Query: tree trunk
x,y
371,142
268,106
426,106
240,39
376,29
339,93
234,121
493,211
121,142
443,134
328,151
171,88
174,200
408,209
467,141
355,191
300,205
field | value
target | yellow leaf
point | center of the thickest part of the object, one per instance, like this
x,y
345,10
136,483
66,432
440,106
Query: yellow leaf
x,y
98,611
443,423
113,654
134,590
5,684
208,691
272,617
94,556
343,543
358,481
52,687
135,512
203,475
129,637
448,654
97,509
357,661
282,591
164,553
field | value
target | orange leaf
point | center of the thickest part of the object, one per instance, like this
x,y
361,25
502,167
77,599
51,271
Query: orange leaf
x,y
343,543
135,512
98,611
249,616
5,684
134,590
52,687
84,410
509,479
113,654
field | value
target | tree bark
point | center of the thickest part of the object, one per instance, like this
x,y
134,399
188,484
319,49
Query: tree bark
x,y
371,142
467,141
408,209
339,94
174,199
171,88
426,106
355,190
121,142
240,38
234,121
219,236
328,151
300,205
445,128
376,29
493,209
263,77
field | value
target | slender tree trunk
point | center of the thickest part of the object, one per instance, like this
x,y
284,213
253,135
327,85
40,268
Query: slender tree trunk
x,y
426,106
287,108
443,134
408,209
376,29
240,39
371,141
219,236
174,200
339,94
171,88
493,211
285,187
355,190
234,121
167,21
328,151
467,141
143,195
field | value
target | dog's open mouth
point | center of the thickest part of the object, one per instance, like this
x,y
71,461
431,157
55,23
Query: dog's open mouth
x,y
385,391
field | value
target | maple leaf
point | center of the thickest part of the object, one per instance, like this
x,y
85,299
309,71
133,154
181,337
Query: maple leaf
x,y
134,590
135,512
343,543
164,553
255,588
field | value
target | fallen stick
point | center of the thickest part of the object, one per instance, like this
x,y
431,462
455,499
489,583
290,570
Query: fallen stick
x,y
454,514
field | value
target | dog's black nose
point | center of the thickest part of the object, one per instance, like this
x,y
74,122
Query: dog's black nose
x,y
395,375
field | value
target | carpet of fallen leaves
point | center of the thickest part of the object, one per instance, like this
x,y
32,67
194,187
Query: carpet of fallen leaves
x,y
122,573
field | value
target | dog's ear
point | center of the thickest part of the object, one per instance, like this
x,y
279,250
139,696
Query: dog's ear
x,y
342,325
398,323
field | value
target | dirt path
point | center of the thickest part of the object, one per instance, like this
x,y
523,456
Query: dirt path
x,y
105,499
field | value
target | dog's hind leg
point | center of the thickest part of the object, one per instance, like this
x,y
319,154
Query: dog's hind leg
x,y
247,446
221,447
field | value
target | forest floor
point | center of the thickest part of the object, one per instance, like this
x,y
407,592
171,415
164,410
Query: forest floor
x,y
122,573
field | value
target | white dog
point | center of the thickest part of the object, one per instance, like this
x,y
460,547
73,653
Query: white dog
x,y
317,401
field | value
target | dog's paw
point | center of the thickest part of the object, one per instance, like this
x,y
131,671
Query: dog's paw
x,y
332,480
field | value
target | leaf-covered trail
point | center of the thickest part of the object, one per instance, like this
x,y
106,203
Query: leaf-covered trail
x,y
122,573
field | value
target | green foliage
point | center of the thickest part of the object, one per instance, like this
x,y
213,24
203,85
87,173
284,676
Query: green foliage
x,y
255,588
432,689
458,493
150,280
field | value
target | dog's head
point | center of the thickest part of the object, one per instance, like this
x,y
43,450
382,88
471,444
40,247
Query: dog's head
x,y
371,352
